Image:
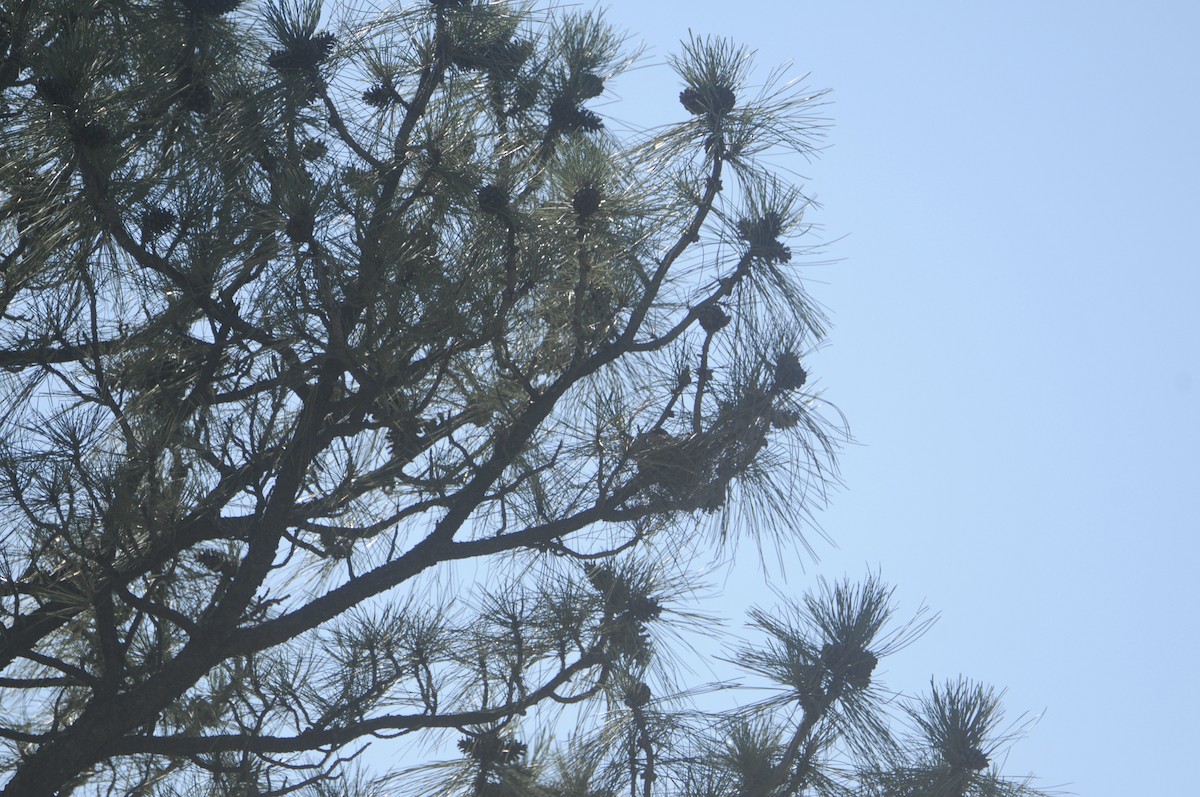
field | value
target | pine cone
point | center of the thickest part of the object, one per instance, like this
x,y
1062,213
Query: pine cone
x,y
380,96
303,55
718,101
567,116
56,91
586,201
970,758
637,695
789,374
589,85
211,8
312,149
494,200
156,221
712,319
763,236
489,748
300,226
854,666
93,135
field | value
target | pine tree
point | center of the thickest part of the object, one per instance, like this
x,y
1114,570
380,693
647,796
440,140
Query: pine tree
x,y
361,383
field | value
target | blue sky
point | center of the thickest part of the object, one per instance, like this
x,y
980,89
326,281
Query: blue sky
x,y
1010,191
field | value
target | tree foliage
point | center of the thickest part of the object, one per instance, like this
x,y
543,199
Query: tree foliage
x,y
362,383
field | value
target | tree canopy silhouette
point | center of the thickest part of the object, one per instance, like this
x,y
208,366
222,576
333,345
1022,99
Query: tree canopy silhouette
x,y
361,382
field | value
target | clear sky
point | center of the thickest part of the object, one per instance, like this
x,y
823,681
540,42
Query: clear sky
x,y
1010,190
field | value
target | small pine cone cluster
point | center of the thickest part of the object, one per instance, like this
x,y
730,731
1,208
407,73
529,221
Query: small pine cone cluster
x,y
197,98
300,226
57,91
156,221
586,201
637,695
313,149
785,419
493,200
854,666
763,236
93,135
381,95
717,100
502,59
970,758
211,8
568,116
589,85
489,748
216,562
789,373
303,55
712,318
